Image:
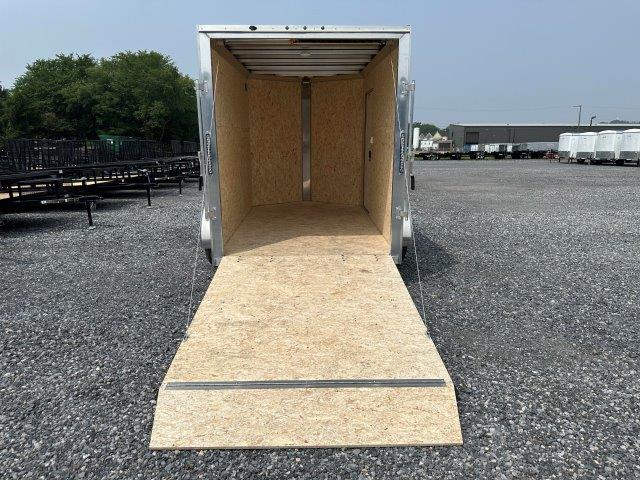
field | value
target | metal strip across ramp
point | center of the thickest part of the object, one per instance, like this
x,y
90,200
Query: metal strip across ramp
x,y
306,351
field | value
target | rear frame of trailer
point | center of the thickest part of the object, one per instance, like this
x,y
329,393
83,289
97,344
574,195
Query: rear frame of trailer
x,y
246,48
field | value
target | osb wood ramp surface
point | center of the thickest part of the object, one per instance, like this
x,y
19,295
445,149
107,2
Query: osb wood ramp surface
x,y
306,318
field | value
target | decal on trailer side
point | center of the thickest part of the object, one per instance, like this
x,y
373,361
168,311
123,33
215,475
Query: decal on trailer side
x,y
402,152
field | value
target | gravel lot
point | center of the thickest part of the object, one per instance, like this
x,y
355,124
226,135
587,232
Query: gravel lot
x,y
530,273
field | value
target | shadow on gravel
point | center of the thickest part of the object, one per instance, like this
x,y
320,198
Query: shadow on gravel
x,y
27,223
31,218
433,258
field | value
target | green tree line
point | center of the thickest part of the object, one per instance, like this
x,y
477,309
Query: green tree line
x,y
138,94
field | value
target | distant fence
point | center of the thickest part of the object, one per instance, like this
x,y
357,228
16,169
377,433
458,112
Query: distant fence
x,y
24,155
182,147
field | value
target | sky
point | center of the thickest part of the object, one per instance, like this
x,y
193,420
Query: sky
x,y
510,61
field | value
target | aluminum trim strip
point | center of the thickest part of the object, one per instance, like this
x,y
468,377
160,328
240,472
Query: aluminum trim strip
x,y
306,73
260,30
268,61
296,52
311,68
296,384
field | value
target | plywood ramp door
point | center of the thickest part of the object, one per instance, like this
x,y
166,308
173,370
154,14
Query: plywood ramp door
x,y
277,312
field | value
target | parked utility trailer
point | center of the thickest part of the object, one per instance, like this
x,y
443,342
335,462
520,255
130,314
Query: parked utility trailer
x,y
498,150
307,336
476,152
630,146
533,149
607,147
585,146
564,146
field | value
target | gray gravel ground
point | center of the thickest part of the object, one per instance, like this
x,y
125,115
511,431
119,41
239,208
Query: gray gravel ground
x,y
530,273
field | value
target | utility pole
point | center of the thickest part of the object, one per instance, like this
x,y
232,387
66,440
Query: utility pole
x,y
579,107
591,121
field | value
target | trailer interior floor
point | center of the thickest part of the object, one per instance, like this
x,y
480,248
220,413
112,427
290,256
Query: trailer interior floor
x,y
307,228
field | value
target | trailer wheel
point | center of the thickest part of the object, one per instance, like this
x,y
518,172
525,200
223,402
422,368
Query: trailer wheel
x,y
404,252
581,160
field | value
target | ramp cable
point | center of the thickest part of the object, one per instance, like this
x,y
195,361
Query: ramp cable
x,y
204,189
406,184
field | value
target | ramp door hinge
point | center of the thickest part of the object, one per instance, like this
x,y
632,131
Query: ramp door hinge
x,y
202,86
402,213
408,87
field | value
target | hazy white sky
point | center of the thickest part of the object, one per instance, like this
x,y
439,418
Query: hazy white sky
x,y
473,61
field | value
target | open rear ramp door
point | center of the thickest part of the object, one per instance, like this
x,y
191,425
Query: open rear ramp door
x,y
306,351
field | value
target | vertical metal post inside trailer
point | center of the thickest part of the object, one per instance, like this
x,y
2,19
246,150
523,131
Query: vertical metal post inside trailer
x,y
306,139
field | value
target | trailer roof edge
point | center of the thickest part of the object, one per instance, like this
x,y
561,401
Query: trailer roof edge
x,y
298,29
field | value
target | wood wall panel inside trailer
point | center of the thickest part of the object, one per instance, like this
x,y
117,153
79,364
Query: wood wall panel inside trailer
x,y
337,133
232,128
276,141
380,84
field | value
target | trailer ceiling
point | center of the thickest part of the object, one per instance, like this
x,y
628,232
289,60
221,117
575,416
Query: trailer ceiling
x,y
304,58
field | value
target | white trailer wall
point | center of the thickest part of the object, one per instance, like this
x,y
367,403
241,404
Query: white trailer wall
x,y
630,145
606,145
564,145
585,145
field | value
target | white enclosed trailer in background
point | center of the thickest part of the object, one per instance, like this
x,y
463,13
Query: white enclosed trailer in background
x,y
629,146
565,142
585,146
607,147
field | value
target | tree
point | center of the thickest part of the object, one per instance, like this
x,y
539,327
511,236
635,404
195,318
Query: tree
x,y
427,128
143,94
52,99
4,94
623,122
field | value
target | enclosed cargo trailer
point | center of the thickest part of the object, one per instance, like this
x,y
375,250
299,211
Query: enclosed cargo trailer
x,y
307,336
564,146
630,146
322,116
585,146
607,148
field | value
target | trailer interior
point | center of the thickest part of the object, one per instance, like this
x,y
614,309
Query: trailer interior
x,y
307,336
290,122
